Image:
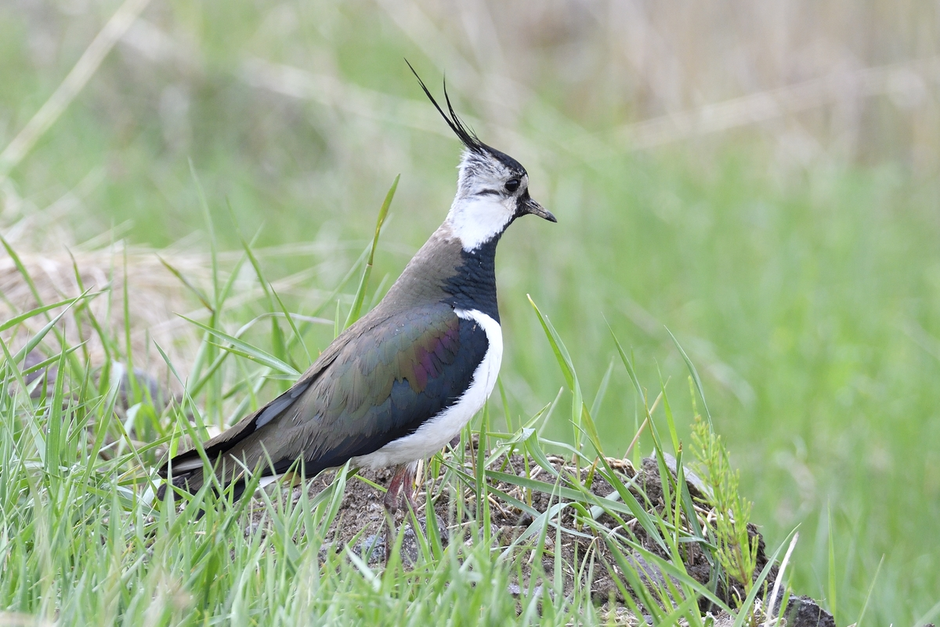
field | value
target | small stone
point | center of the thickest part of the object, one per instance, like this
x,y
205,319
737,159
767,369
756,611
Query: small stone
x,y
805,612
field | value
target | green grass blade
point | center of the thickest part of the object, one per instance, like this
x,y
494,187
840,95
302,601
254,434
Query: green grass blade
x,y
567,367
833,589
198,293
695,377
32,313
356,309
246,349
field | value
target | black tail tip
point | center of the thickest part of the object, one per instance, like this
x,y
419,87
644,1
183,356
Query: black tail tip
x,y
237,488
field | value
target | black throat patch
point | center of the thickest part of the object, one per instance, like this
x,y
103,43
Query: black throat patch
x,y
473,285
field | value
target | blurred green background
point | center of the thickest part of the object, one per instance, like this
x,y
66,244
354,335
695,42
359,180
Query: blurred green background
x,y
759,178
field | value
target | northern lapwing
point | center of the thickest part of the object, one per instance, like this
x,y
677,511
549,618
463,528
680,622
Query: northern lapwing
x,y
401,382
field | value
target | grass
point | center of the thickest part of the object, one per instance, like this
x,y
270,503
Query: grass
x,y
805,290
83,542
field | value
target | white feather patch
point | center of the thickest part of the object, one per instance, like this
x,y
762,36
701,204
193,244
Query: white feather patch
x,y
479,219
185,466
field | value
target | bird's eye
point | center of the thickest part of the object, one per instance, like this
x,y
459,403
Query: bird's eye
x,y
512,185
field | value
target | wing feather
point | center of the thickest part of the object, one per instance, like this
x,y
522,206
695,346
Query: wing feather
x,y
379,381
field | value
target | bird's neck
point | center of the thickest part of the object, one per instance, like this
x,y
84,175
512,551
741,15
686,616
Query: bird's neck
x,y
473,285
443,271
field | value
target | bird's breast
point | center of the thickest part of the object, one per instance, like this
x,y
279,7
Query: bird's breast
x,y
439,429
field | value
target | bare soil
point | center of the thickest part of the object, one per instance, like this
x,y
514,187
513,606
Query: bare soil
x,y
588,561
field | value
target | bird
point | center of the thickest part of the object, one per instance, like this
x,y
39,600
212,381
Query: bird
x,y
401,382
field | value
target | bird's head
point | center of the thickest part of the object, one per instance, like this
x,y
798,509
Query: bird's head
x,y
492,187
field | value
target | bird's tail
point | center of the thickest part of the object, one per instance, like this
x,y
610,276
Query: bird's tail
x,y
239,451
231,461
188,472
193,482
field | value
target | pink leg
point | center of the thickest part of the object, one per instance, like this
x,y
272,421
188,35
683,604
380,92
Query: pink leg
x,y
401,485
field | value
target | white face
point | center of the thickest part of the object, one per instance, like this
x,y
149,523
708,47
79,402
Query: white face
x,y
486,201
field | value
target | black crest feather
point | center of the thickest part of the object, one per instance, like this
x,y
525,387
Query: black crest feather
x,y
467,136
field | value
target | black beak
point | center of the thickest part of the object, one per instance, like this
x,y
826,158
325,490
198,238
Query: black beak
x,y
527,205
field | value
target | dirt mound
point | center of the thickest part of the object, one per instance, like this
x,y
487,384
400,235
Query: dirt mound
x,y
519,490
